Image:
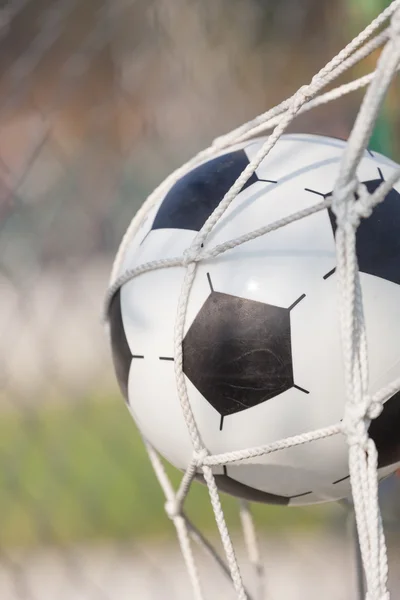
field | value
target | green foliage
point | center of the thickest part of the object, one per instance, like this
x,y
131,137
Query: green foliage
x,y
70,473
361,13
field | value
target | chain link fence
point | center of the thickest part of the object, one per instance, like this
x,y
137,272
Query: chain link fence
x,y
99,100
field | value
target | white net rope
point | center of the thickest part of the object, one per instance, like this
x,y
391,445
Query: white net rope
x,y
361,407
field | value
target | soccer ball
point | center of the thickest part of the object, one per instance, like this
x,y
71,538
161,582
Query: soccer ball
x,y
262,355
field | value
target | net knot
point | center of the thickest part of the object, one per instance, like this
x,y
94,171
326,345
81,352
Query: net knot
x,y
363,208
300,98
375,408
351,202
173,509
355,426
340,200
190,255
198,457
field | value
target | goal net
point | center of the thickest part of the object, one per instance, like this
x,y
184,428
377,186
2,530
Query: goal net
x,y
350,202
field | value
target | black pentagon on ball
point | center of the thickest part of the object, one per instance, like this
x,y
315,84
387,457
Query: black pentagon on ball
x,y
193,198
237,352
385,431
378,237
121,353
239,490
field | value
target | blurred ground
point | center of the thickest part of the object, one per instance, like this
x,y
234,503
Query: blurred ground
x,y
310,567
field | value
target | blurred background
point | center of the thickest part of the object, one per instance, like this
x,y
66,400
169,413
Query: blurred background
x,y
99,101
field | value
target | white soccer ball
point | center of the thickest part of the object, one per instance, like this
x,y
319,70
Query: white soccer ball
x,y
262,354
